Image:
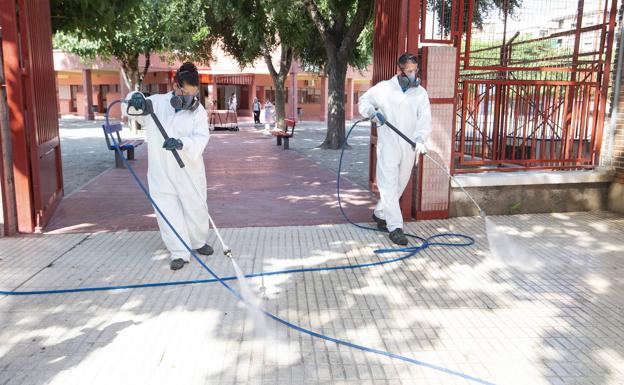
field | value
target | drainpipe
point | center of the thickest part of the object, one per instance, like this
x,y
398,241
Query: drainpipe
x,y
8,184
617,84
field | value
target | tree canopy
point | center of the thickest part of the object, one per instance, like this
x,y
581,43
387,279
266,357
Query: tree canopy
x,y
126,29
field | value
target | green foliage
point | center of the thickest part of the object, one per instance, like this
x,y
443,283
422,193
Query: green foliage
x,y
91,18
248,27
245,26
524,53
481,10
125,30
338,16
86,49
345,28
515,208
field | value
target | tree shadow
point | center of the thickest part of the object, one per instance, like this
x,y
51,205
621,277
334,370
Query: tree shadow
x,y
576,293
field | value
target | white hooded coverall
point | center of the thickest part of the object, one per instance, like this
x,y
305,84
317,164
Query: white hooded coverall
x,y
411,114
169,187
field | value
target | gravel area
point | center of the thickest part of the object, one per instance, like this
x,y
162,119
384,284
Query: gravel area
x,y
84,151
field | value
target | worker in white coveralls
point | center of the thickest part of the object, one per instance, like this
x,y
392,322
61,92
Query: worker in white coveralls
x,y
405,104
181,198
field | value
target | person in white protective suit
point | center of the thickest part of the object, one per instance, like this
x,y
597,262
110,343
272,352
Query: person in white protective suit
x,y
405,104
181,198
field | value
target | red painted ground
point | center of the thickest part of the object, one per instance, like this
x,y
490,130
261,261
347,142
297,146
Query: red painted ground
x,y
251,183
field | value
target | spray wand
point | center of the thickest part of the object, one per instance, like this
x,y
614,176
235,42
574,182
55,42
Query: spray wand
x,y
140,103
446,170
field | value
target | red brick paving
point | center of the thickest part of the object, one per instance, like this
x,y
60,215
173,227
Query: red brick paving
x,y
251,183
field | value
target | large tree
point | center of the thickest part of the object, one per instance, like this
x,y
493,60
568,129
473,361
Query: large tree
x,y
346,28
128,29
253,29
340,25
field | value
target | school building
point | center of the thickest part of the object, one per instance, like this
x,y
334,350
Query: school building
x,y
306,91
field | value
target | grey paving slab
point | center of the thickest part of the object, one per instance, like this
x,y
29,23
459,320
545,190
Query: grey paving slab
x,y
553,319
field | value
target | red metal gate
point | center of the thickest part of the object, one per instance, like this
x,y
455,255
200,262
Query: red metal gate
x,y
531,86
534,97
405,26
31,98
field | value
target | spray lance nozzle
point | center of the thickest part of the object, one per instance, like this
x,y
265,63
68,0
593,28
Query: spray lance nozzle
x,y
138,105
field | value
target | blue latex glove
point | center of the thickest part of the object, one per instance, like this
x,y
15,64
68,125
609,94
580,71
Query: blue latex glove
x,y
173,144
378,118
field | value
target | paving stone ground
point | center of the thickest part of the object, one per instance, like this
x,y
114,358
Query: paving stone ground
x,y
555,318
251,182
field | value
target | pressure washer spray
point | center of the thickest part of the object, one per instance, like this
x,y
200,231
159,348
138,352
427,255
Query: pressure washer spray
x,y
139,102
446,171
437,240
501,246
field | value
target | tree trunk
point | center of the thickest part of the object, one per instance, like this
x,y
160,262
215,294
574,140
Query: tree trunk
x,y
279,80
337,74
280,102
132,74
339,39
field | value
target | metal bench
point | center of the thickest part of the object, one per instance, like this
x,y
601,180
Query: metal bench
x,y
285,134
124,145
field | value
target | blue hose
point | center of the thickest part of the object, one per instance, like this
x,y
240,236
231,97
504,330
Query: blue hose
x,y
411,251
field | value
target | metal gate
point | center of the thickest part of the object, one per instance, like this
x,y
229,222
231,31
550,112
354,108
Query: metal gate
x,y
532,90
33,113
530,87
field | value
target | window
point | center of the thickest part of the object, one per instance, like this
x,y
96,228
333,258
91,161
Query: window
x,y
150,89
269,93
357,95
309,96
73,90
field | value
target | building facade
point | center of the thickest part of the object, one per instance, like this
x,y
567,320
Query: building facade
x,y
306,91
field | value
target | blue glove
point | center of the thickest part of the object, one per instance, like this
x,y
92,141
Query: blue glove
x,y
173,144
378,118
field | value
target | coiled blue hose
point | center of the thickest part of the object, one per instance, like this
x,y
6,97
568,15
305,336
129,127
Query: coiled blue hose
x,y
411,251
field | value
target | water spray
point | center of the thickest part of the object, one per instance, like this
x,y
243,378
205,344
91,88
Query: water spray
x,y
437,240
501,246
139,102
446,170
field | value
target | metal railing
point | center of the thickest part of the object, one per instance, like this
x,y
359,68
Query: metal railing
x,y
528,102
507,125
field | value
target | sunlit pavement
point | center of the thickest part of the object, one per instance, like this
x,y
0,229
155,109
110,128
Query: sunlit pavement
x,y
552,317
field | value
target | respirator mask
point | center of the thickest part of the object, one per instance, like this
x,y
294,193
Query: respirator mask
x,y
183,102
408,81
